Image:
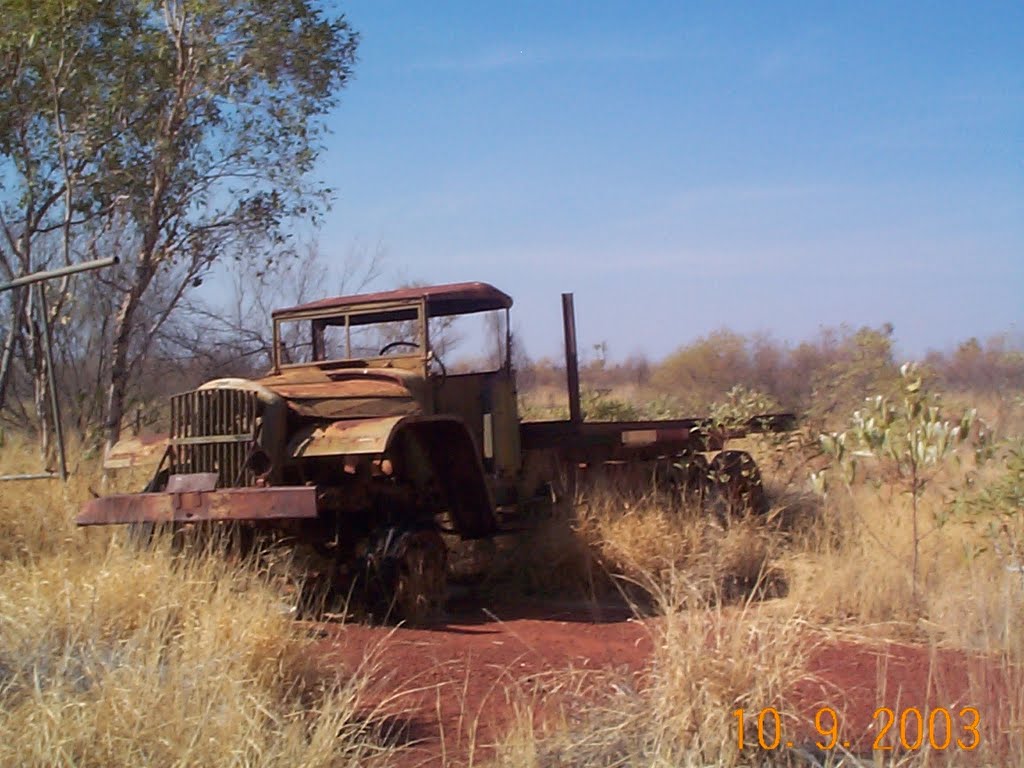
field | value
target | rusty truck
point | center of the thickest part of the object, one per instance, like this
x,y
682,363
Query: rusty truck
x,y
369,454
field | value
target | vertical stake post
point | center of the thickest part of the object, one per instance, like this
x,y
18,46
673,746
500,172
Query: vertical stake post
x,y
51,380
572,366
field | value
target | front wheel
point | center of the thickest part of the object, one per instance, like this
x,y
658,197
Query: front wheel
x,y
416,565
421,583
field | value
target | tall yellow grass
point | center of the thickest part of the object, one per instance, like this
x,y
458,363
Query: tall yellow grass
x,y
838,567
112,656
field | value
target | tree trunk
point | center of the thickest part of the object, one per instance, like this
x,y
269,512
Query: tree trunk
x,y
145,268
6,361
117,386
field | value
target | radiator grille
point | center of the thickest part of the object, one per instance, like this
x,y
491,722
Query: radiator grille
x,y
213,430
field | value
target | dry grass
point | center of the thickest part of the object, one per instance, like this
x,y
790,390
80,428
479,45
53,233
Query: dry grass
x,y
548,559
841,568
110,656
859,574
647,543
679,713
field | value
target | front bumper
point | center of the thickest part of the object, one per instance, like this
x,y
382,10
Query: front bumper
x,y
231,504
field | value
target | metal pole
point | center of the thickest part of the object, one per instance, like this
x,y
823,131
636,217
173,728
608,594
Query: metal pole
x,y
31,476
51,382
508,339
572,370
37,277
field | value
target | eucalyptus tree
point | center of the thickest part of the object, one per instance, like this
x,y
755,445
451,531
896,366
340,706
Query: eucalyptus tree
x,y
182,131
52,146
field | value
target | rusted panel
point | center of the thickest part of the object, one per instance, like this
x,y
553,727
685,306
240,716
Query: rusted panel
x,y
199,481
562,434
351,409
139,451
670,435
358,386
441,300
314,392
343,373
213,429
361,436
235,504
639,436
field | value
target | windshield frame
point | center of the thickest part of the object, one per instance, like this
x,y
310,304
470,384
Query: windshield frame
x,y
349,318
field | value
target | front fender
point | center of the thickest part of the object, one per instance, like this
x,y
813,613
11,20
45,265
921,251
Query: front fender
x,y
421,448
344,438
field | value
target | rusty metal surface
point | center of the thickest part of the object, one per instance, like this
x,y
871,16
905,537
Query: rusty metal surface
x,y
321,392
339,377
200,481
617,438
354,387
234,504
338,408
572,372
139,451
442,300
446,445
335,372
356,436
214,430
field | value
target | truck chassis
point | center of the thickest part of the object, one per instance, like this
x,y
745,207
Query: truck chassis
x,y
368,458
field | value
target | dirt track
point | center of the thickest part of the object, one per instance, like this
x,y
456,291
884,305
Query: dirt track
x,y
465,677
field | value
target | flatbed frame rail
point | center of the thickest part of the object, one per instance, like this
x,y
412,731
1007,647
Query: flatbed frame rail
x,y
619,440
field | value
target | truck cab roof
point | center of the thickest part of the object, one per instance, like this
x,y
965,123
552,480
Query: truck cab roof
x,y
440,301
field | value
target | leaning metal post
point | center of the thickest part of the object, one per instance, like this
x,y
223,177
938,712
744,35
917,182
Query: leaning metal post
x,y
36,279
50,274
51,380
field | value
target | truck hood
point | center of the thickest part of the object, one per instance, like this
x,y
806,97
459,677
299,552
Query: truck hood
x,y
316,392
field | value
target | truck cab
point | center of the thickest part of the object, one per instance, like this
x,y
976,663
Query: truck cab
x,y
367,340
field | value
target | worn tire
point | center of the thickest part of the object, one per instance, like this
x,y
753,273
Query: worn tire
x,y
419,567
690,475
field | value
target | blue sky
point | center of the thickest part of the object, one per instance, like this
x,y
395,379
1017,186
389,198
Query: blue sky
x,y
683,167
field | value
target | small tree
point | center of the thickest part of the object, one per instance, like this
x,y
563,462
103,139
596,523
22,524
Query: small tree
x,y
908,435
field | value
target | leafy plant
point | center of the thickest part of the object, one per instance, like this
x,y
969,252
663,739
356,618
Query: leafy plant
x,y
740,405
997,508
909,436
598,405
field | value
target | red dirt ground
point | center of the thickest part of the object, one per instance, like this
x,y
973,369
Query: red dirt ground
x,y
463,679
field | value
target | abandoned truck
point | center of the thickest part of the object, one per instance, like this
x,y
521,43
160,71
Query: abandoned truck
x,y
361,444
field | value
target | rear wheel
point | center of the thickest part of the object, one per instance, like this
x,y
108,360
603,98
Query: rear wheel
x,y
685,478
736,486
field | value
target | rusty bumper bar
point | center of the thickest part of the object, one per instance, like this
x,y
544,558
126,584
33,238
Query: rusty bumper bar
x,y
252,504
